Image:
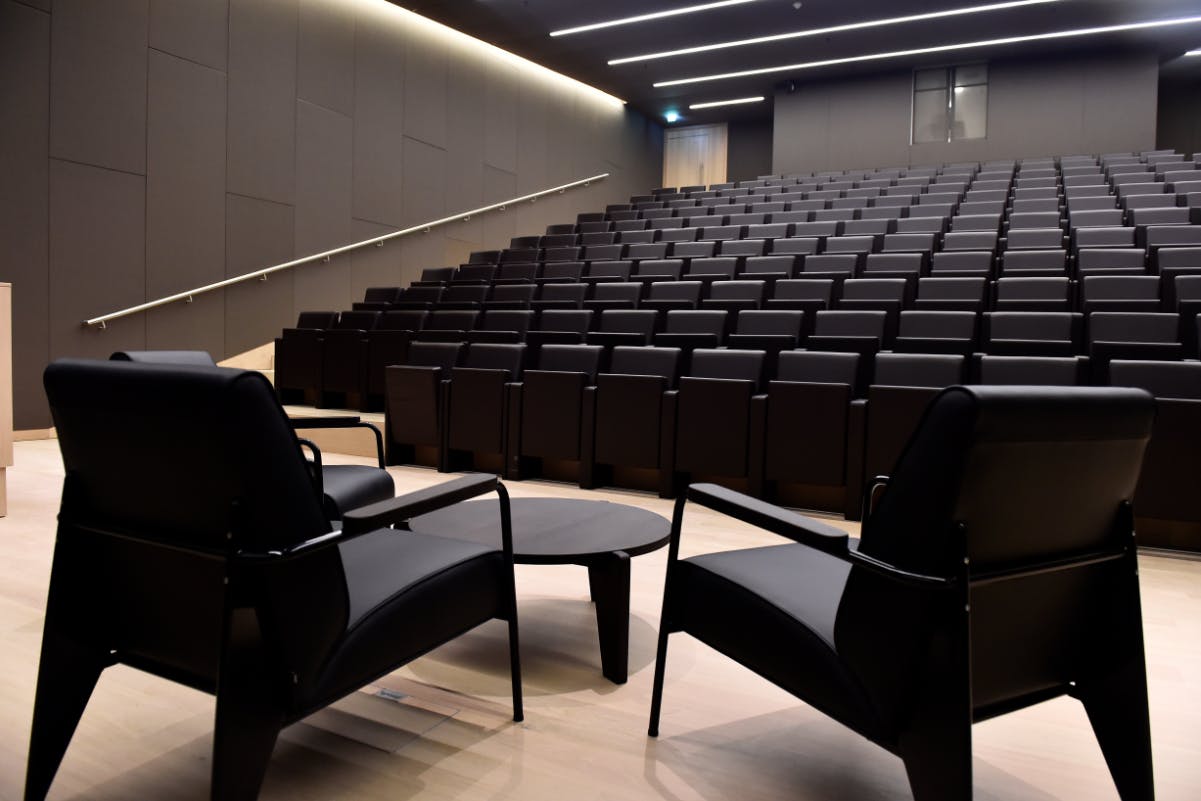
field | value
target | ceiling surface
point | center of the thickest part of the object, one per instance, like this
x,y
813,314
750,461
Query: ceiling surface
x,y
523,27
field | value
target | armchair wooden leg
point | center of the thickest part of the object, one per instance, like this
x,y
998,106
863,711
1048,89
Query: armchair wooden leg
x,y
66,677
249,717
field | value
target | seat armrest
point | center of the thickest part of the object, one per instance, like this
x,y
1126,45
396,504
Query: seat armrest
x,y
769,517
348,421
413,504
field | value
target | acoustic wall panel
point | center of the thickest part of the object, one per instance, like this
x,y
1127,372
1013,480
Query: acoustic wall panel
x,y
373,266
98,83
262,99
197,30
198,325
185,182
425,90
258,233
500,118
325,55
97,258
379,118
24,216
323,178
425,182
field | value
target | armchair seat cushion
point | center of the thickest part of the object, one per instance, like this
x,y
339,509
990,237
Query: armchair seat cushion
x,y
350,486
773,610
393,580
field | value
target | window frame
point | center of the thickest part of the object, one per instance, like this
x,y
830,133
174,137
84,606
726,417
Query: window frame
x,y
950,77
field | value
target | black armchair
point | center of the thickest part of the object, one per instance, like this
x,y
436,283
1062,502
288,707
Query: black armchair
x,y
206,559
984,582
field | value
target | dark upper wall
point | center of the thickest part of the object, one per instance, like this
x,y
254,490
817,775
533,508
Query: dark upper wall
x,y
1179,122
1035,107
748,149
152,146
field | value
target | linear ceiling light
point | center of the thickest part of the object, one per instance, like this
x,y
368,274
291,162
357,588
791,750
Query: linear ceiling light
x,y
674,12
1193,53
1160,23
853,26
716,103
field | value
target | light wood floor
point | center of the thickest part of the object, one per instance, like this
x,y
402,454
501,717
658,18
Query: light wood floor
x,y
725,732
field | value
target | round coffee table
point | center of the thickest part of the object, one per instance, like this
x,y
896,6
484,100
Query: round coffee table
x,y
600,535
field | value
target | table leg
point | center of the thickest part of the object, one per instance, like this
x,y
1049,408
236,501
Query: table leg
x,y
609,581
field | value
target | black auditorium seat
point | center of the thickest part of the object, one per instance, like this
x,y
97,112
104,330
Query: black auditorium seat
x,y
715,424
478,398
811,413
1165,502
205,559
548,428
985,581
388,343
298,357
1033,333
414,414
635,422
1131,335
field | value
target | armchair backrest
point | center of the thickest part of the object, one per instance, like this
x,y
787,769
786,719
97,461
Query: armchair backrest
x,y
1032,474
234,465
199,358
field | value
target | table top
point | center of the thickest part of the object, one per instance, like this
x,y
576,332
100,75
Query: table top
x,y
552,531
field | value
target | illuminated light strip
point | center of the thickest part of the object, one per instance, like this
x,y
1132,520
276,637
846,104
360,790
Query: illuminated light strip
x,y
938,49
480,44
716,103
853,26
675,12
1193,53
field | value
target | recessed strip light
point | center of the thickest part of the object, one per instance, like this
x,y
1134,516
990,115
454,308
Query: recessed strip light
x,y
1194,53
1160,23
674,12
716,103
853,26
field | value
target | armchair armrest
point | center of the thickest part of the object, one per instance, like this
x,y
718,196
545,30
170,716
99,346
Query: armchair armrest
x,y
414,504
768,517
804,530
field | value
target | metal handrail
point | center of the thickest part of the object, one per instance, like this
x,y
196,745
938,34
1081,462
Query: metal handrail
x,y
325,255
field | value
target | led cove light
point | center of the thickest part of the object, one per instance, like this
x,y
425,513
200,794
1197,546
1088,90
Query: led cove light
x,y
674,12
716,103
853,26
1162,23
437,28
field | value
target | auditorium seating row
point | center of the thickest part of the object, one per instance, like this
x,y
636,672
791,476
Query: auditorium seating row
x,y
332,359
1044,271
811,434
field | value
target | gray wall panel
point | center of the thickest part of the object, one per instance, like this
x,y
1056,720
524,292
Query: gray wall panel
x,y
1035,107
425,91
199,325
325,55
375,266
258,233
197,30
500,118
1179,116
262,99
98,83
323,178
97,258
24,216
748,152
332,120
425,182
185,183
379,118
